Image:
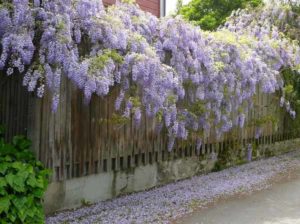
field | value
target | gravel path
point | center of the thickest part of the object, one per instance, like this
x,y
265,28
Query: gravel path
x,y
166,203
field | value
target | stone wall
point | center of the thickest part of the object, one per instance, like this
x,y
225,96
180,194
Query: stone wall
x,y
75,192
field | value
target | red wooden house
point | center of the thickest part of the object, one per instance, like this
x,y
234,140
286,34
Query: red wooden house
x,y
156,7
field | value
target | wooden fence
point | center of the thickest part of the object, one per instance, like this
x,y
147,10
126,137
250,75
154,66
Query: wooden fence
x,y
80,139
13,105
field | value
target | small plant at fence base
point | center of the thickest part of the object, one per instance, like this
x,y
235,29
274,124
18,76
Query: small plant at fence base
x,y
23,181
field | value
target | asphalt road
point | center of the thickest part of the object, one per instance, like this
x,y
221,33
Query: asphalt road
x,y
278,205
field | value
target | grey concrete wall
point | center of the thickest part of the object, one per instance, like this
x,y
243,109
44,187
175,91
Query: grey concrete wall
x,y
72,193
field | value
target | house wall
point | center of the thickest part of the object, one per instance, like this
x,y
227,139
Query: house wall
x,y
152,6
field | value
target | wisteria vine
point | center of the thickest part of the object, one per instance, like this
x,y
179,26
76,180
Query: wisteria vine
x,y
189,80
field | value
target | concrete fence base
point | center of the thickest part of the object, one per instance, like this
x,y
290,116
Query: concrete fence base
x,y
75,192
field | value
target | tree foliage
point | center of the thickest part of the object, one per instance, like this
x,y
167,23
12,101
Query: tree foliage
x,y
210,14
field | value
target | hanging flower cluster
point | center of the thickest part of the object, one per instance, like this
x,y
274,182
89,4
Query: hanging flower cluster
x,y
270,27
189,80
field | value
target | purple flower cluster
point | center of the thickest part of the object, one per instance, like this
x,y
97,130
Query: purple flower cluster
x,y
189,80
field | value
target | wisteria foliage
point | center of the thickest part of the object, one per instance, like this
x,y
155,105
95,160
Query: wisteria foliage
x,y
189,80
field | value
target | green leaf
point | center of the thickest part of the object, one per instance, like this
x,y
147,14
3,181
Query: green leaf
x,y
17,182
288,89
39,215
4,204
21,204
45,173
31,212
40,182
38,193
18,165
21,142
29,169
8,159
7,150
10,179
3,167
12,217
3,184
26,156
39,164
31,181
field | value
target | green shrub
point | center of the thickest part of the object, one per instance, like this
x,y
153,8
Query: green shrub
x,y
23,181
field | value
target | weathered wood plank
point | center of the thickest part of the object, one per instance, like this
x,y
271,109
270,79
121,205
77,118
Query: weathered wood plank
x,y
81,139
